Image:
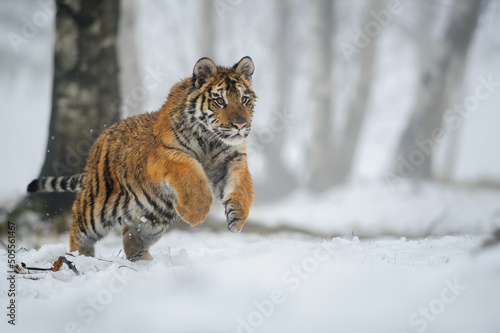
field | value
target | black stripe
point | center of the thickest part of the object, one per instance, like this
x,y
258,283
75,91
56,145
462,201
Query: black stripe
x,y
229,83
34,186
95,193
217,155
136,198
138,202
200,140
220,182
64,183
90,203
230,211
92,207
169,204
156,206
116,204
185,145
203,99
221,179
232,157
128,193
193,105
73,183
53,183
125,205
171,148
80,180
82,228
107,182
236,219
83,217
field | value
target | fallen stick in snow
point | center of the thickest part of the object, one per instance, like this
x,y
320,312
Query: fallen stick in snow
x,y
56,266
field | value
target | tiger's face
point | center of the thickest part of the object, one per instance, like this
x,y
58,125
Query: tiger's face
x,y
225,99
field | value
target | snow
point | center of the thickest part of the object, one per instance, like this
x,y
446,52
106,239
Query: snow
x,y
377,209
437,279
204,282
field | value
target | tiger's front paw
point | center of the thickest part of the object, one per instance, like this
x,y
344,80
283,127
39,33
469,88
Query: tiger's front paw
x,y
235,216
193,206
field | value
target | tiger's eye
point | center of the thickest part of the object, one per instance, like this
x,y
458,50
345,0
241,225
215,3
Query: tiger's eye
x,y
220,101
244,100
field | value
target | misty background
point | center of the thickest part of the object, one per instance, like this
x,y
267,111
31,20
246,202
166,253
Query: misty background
x,y
373,116
374,153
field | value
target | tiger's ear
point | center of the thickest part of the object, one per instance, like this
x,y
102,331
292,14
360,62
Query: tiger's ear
x,y
246,67
203,69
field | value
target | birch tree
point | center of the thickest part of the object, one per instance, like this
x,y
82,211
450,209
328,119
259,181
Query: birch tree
x,y
280,180
207,28
321,157
440,76
85,91
132,90
358,105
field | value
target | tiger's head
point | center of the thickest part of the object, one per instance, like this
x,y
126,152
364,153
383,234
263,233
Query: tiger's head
x,y
223,99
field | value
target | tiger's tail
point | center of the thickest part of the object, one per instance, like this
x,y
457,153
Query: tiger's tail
x,y
57,184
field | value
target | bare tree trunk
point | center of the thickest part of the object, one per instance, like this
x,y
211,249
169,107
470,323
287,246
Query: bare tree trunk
x,y
358,106
85,90
321,157
279,181
207,27
439,79
450,158
132,90
424,31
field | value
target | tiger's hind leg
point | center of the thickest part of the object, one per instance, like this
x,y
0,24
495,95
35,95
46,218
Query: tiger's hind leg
x,y
86,229
138,238
81,239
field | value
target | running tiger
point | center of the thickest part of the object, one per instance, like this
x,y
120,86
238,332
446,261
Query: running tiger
x,y
146,171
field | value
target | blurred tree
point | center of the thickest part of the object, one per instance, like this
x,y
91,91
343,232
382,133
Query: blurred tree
x,y
207,26
279,179
321,158
85,92
450,156
358,105
440,76
331,164
132,90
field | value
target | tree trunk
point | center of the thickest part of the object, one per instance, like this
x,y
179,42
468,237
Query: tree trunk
x,y
85,97
207,28
439,79
321,157
450,157
132,91
357,108
279,180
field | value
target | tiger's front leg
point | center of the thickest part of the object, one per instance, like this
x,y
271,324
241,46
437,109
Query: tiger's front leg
x,y
239,197
186,176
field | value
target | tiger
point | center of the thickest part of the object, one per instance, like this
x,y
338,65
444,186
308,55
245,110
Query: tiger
x,y
148,171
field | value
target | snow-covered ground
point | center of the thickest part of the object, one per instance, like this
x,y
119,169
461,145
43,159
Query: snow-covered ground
x,y
376,208
206,282
437,280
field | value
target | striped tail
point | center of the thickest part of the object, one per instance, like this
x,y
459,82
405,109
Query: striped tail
x,y
56,184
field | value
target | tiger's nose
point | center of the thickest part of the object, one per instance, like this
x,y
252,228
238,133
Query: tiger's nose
x,y
239,125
